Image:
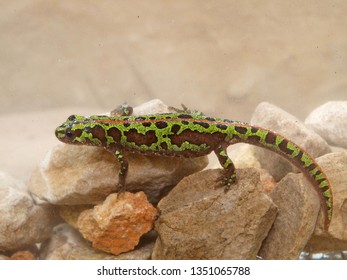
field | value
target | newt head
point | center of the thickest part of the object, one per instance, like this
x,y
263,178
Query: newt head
x,y
77,130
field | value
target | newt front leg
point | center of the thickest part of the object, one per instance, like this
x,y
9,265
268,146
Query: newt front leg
x,y
123,168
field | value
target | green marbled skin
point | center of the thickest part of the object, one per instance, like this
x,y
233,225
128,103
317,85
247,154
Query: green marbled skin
x,y
187,134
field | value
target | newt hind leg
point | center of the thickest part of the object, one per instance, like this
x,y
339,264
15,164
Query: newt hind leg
x,y
229,176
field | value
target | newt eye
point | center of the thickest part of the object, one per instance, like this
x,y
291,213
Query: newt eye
x,y
71,118
68,134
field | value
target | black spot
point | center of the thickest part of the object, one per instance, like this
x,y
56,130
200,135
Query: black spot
x,y
175,128
210,119
311,167
152,118
228,121
97,132
320,180
241,129
139,139
184,116
126,124
161,124
254,129
270,138
114,133
222,126
185,122
140,119
298,156
146,124
283,146
324,189
203,124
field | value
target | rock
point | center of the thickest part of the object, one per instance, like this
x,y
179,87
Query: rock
x,y
67,243
271,117
200,221
298,207
23,255
74,175
330,122
23,223
241,154
70,213
154,106
117,224
71,175
335,166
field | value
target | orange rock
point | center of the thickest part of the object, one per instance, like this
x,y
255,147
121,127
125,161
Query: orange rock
x,y
117,224
23,255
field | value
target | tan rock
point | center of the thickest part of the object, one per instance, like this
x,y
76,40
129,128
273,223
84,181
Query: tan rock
x,y
200,221
67,243
74,175
117,224
274,118
23,223
3,257
86,175
335,167
70,213
298,207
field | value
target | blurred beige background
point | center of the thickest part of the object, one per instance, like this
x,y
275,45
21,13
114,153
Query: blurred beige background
x,y
221,57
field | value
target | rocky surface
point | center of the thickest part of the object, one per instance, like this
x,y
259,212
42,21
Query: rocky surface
x,y
117,224
200,221
23,223
271,117
330,121
298,207
67,243
197,219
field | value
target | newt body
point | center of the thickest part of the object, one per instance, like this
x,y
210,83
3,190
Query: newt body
x,y
188,134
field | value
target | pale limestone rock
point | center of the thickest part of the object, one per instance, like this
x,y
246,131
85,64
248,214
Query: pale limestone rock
x,y
117,224
66,243
273,118
154,106
330,122
241,154
298,207
200,221
73,175
23,223
335,167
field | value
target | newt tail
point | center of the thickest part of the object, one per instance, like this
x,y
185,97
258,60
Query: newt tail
x,y
292,152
